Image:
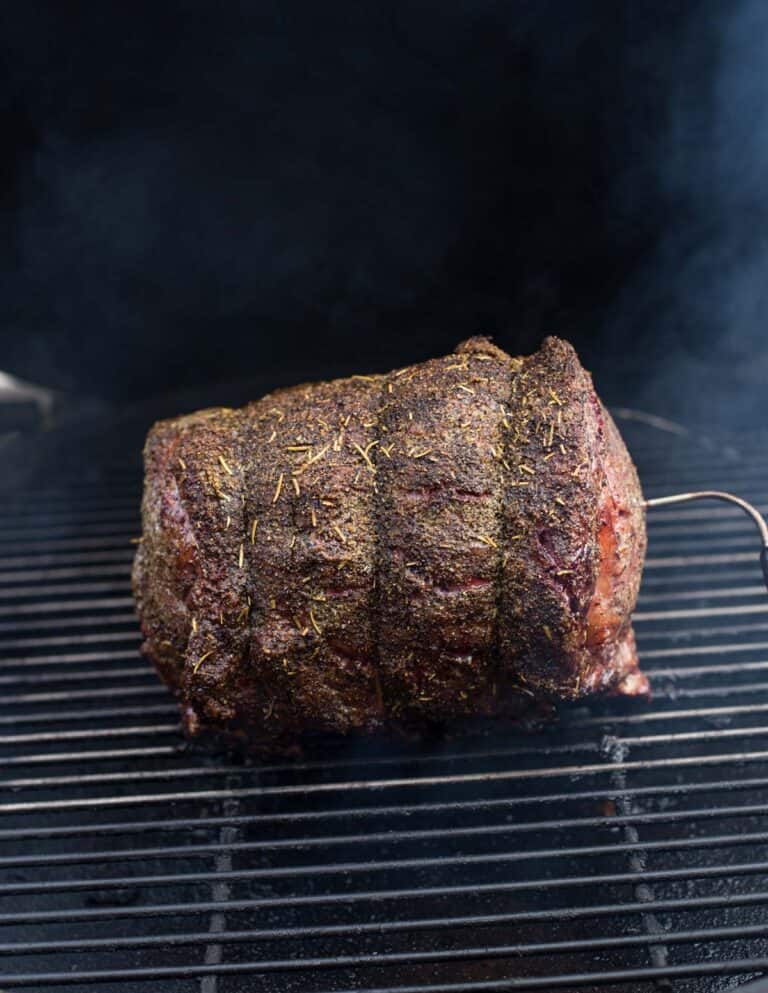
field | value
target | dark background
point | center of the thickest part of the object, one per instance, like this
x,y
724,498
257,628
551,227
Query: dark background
x,y
196,193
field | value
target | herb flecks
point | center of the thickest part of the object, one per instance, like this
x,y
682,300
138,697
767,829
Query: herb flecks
x,y
278,488
200,661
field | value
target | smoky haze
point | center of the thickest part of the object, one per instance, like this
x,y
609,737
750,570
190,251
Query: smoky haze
x,y
195,193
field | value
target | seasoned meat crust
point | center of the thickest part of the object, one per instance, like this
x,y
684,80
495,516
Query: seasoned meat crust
x,y
458,538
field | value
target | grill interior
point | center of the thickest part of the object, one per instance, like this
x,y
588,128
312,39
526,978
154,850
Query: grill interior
x,y
623,849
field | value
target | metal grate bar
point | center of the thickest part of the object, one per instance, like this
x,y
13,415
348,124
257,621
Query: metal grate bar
x,y
403,782
293,934
393,958
36,661
245,820
40,575
689,671
98,694
51,641
44,717
118,541
159,751
380,865
186,909
59,623
677,789
719,593
672,615
65,589
540,982
410,781
44,557
223,770
675,561
206,851
120,529
80,675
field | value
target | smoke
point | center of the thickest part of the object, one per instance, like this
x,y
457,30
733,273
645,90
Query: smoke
x,y
697,303
194,194
215,190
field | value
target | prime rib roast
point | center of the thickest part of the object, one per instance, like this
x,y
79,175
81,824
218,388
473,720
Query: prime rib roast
x,y
455,539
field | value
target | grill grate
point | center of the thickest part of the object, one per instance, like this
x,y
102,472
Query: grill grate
x,y
623,849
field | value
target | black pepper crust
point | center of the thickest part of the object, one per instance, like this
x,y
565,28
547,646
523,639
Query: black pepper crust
x,y
463,537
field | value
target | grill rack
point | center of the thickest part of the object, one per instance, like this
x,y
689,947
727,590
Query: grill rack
x,y
623,849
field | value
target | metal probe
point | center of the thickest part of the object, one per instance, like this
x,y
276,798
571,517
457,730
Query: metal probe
x,y
753,512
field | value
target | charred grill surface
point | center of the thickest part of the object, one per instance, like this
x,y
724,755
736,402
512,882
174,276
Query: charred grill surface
x,y
457,538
